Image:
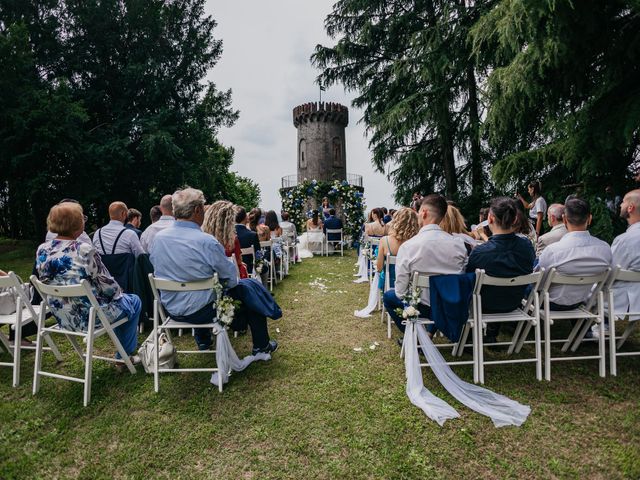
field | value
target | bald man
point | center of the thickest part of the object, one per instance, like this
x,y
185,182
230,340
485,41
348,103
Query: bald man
x,y
113,238
558,229
626,253
166,220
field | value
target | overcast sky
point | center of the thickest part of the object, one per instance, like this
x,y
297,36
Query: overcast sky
x,y
265,61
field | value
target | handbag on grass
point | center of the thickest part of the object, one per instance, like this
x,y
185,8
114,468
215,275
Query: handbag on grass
x,y
166,354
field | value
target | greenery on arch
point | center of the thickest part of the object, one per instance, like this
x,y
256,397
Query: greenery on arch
x,y
351,198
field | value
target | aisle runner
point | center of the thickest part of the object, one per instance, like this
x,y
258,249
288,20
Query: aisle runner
x,y
502,410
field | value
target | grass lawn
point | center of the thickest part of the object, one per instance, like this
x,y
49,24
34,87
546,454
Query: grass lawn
x,y
318,410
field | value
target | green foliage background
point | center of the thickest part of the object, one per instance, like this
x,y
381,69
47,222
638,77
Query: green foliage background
x,y
103,101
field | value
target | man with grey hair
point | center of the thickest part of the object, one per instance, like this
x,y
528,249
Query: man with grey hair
x,y
166,220
184,253
558,229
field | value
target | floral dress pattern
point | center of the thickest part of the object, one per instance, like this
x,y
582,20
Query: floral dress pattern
x,y
68,262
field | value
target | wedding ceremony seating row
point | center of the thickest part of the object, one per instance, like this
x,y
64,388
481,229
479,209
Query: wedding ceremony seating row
x,y
536,313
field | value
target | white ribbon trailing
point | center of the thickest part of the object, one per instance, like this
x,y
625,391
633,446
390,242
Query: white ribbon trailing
x,y
373,299
227,359
363,269
502,410
435,408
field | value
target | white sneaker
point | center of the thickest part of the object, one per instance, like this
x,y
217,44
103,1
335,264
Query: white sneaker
x,y
595,331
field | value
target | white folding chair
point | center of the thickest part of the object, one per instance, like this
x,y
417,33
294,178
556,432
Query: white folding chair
x,y
82,290
162,322
582,315
24,314
272,268
421,280
615,342
520,315
291,245
337,231
389,260
250,251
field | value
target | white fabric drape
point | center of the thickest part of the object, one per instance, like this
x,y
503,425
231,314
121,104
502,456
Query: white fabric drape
x,y
502,410
226,358
363,269
435,408
373,299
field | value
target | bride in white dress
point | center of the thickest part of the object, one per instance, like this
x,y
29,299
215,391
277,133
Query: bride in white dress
x,y
311,241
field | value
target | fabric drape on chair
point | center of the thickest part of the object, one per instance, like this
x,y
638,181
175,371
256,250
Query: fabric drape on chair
x,y
373,299
227,360
363,266
502,410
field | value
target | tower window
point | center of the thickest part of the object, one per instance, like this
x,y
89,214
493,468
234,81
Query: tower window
x,y
302,150
337,152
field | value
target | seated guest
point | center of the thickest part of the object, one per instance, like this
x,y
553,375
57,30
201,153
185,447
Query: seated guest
x,y
67,261
288,228
246,237
184,253
219,221
481,232
83,236
254,219
113,238
430,251
558,230
387,215
375,228
134,218
524,228
404,227
504,255
453,223
314,223
577,253
626,253
332,223
155,213
165,221
271,221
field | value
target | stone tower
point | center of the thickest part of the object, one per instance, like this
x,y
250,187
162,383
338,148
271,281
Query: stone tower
x,y
321,140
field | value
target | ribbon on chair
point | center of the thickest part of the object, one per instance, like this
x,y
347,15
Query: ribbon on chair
x,y
373,299
363,269
502,410
227,359
434,407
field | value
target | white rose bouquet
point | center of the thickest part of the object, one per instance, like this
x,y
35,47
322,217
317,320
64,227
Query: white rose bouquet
x,y
411,301
225,305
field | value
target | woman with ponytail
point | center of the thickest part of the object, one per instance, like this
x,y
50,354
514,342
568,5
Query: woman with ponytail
x,y
505,254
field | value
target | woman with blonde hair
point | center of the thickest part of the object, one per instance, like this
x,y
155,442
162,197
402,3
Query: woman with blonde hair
x,y
453,223
404,226
219,221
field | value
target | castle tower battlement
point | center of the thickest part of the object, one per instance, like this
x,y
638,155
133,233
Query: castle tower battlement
x,y
321,140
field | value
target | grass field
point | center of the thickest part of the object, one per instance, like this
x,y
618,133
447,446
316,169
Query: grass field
x,y
318,410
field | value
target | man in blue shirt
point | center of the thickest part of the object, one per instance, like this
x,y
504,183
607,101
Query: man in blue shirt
x,y
504,255
184,253
332,223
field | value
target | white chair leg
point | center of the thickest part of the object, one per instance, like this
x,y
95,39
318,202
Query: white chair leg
x,y
76,346
88,364
52,345
538,348
38,360
17,350
601,340
388,326
156,367
612,344
572,336
547,348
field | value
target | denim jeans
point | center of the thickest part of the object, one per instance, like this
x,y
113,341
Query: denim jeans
x,y
202,336
127,333
391,302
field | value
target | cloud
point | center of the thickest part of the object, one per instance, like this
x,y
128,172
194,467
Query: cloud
x,y
265,62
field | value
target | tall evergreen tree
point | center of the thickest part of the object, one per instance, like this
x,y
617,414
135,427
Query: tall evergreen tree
x,y
124,111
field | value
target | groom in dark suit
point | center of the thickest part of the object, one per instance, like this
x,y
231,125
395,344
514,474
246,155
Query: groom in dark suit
x,y
246,237
332,223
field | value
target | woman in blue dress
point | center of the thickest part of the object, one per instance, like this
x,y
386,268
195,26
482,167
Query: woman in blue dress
x,y
403,226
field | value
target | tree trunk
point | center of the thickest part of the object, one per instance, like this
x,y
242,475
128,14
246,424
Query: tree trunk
x,y
477,179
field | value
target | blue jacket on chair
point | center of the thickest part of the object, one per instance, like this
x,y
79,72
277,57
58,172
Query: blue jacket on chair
x,y
450,296
332,223
255,297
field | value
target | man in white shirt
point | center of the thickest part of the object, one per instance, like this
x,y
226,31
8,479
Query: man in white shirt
x,y
558,230
626,253
113,238
166,220
432,250
577,253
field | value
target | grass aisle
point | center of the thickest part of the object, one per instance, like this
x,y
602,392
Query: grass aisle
x,y
319,409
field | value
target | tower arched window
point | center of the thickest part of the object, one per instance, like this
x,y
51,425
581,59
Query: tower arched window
x,y
302,154
336,152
